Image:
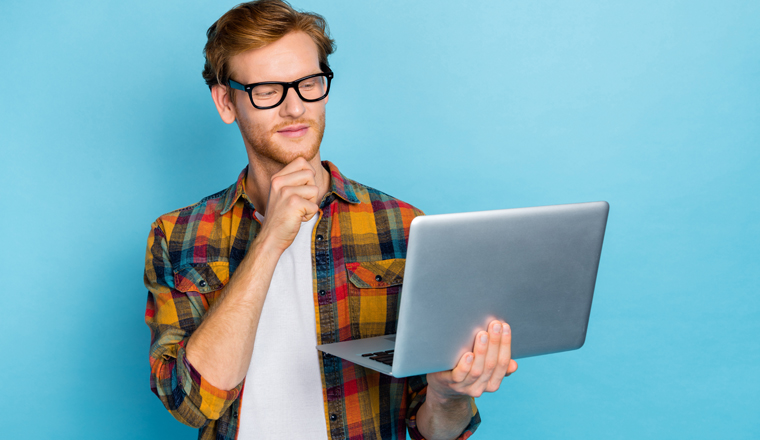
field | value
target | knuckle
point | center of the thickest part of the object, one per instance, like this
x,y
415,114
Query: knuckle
x,y
293,200
276,183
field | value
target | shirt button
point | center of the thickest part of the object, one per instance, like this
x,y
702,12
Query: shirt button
x,y
333,417
378,278
319,238
202,283
322,292
234,415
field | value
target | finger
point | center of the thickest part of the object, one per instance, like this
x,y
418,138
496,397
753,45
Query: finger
x,y
296,178
306,208
512,367
504,360
494,347
478,364
463,368
294,206
308,216
307,192
299,163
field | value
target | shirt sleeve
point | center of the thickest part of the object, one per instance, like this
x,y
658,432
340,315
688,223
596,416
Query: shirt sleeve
x,y
172,315
417,389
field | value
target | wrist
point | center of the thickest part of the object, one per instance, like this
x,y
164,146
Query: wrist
x,y
445,400
265,245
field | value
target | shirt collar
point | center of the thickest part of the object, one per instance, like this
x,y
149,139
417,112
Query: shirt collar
x,y
340,185
235,192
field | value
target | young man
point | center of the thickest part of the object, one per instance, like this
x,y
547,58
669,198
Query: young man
x,y
245,283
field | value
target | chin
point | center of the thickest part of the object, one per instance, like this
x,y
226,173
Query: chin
x,y
280,150
284,153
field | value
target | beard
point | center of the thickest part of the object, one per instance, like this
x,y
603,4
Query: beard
x,y
263,145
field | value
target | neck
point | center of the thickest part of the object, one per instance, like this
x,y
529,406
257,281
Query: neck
x,y
259,179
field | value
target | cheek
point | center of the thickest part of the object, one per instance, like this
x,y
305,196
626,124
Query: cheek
x,y
260,123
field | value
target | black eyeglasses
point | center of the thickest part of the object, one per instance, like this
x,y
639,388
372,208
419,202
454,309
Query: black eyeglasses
x,y
270,94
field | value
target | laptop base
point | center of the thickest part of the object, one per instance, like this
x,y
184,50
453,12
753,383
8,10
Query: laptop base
x,y
353,351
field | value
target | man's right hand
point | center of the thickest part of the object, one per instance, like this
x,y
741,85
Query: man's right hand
x,y
292,200
221,348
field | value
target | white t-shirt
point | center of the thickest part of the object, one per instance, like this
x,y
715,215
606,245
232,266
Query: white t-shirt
x,y
282,397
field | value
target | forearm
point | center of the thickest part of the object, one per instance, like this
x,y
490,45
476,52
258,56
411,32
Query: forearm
x,y
220,349
443,418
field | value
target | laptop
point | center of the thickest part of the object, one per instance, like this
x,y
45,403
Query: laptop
x,y
534,268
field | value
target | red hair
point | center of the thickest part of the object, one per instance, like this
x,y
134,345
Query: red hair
x,y
253,25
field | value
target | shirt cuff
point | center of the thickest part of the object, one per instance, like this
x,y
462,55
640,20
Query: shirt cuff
x,y
211,401
419,399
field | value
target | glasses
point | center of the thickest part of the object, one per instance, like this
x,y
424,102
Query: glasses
x,y
270,94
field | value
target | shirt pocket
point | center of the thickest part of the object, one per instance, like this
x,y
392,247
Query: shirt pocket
x,y
202,282
373,294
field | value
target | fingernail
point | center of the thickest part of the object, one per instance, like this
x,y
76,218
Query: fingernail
x,y
497,328
468,358
506,329
483,339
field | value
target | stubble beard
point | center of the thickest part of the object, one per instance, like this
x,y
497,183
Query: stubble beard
x,y
262,143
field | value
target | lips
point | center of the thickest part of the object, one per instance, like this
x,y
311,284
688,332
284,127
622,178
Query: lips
x,y
294,130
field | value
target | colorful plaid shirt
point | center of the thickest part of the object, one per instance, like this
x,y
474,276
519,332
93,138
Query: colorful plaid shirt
x,y
358,255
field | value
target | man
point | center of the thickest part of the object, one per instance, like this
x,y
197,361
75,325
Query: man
x,y
245,283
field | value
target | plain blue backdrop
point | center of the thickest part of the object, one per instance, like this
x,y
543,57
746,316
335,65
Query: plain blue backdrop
x,y
654,106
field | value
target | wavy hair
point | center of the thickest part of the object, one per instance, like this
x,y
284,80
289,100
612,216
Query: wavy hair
x,y
253,25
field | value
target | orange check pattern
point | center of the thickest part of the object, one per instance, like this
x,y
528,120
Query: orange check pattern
x,y
358,255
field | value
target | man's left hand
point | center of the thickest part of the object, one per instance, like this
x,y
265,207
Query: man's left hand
x,y
481,370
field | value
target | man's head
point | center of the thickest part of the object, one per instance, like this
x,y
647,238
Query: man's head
x,y
263,41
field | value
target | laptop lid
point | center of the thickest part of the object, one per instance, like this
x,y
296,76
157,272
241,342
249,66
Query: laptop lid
x,y
535,268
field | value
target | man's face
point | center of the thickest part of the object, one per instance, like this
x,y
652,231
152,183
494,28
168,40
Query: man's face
x,y
294,128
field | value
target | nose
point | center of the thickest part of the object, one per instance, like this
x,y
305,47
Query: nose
x,y
292,106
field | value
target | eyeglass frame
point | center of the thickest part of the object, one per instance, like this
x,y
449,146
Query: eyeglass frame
x,y
286,85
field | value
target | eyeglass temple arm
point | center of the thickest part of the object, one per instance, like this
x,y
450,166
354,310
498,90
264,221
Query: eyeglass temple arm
x,y
236,85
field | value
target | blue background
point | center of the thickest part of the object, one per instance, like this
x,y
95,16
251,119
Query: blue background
x,y
654,106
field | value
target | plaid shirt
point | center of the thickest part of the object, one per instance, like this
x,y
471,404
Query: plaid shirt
x,y
361,233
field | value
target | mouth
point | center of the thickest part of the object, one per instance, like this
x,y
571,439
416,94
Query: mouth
x,y
294,131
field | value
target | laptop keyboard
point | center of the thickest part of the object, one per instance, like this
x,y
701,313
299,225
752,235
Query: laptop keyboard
x,y
385,357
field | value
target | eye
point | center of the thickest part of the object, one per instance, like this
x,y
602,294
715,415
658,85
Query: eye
x,y
308,84
268,91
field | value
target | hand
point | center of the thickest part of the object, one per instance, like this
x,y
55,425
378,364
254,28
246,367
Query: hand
x,y
292,200
479,371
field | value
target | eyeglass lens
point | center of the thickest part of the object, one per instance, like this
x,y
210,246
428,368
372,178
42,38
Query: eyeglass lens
x,y
265,95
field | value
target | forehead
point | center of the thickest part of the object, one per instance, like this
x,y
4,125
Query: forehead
x,y
291,57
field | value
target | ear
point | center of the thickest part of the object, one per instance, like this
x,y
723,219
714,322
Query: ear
x,y
223,102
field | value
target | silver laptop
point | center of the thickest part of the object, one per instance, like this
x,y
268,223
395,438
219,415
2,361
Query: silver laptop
x,y
534,268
